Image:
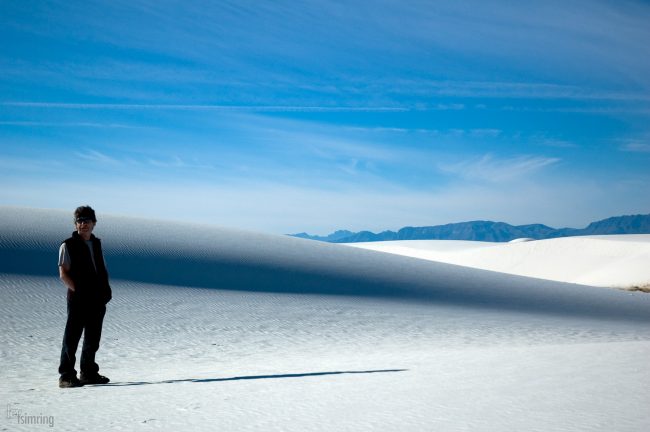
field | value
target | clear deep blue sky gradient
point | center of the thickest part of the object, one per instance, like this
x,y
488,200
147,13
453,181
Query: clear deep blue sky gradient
x,y
286,116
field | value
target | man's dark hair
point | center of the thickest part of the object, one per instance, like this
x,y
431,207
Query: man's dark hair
x,y
85,212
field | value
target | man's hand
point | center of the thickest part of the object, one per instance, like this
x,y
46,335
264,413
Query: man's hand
x,y
64,275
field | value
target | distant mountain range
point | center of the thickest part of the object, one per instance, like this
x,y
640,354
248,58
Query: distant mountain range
x,y
491,231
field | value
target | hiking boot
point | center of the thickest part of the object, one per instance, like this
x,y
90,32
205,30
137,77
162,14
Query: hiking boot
x,y
93,379
69,382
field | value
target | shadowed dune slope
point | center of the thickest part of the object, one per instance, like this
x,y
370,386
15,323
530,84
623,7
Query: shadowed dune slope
x,y
212,257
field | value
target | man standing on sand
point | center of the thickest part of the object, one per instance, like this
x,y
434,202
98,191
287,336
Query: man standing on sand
x,y
83,271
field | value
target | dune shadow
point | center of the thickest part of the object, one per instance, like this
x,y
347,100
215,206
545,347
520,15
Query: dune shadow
x,y
188,256
249,377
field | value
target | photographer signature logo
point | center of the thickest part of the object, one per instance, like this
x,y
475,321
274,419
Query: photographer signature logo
x,y
20,416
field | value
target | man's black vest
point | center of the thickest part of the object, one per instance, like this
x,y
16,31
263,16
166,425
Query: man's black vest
x,y
91,284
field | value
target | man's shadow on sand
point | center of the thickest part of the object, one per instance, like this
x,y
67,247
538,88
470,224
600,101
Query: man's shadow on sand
x,y
251,377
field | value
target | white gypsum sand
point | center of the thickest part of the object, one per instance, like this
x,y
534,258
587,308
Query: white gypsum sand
x,y
262,332
618,261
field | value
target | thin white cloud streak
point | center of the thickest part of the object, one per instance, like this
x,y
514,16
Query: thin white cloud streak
x,y
179,163
506,90
407,95
492,169
606,110
550,141
636,147
223,108
447,133
333,146
72,125
95,156
401,107
134,161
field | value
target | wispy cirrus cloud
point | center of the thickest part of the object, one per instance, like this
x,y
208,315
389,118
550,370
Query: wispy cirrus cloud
x,y
176,162
71,125
141,160
506,90
97,157
496,170
636,146
191,107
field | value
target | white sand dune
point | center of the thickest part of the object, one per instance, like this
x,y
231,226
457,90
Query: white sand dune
x,y
219,329
619,261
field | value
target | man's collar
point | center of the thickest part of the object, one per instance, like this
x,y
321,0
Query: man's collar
x,y
76,235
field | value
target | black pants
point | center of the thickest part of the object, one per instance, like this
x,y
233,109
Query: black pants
x,y
86,318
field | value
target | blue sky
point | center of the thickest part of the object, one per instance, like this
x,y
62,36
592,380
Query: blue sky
x,y
286,116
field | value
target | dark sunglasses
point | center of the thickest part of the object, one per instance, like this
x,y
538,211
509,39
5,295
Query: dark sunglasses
x,y
81,220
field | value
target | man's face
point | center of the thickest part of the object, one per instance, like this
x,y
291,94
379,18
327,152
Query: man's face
x,y
85,226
